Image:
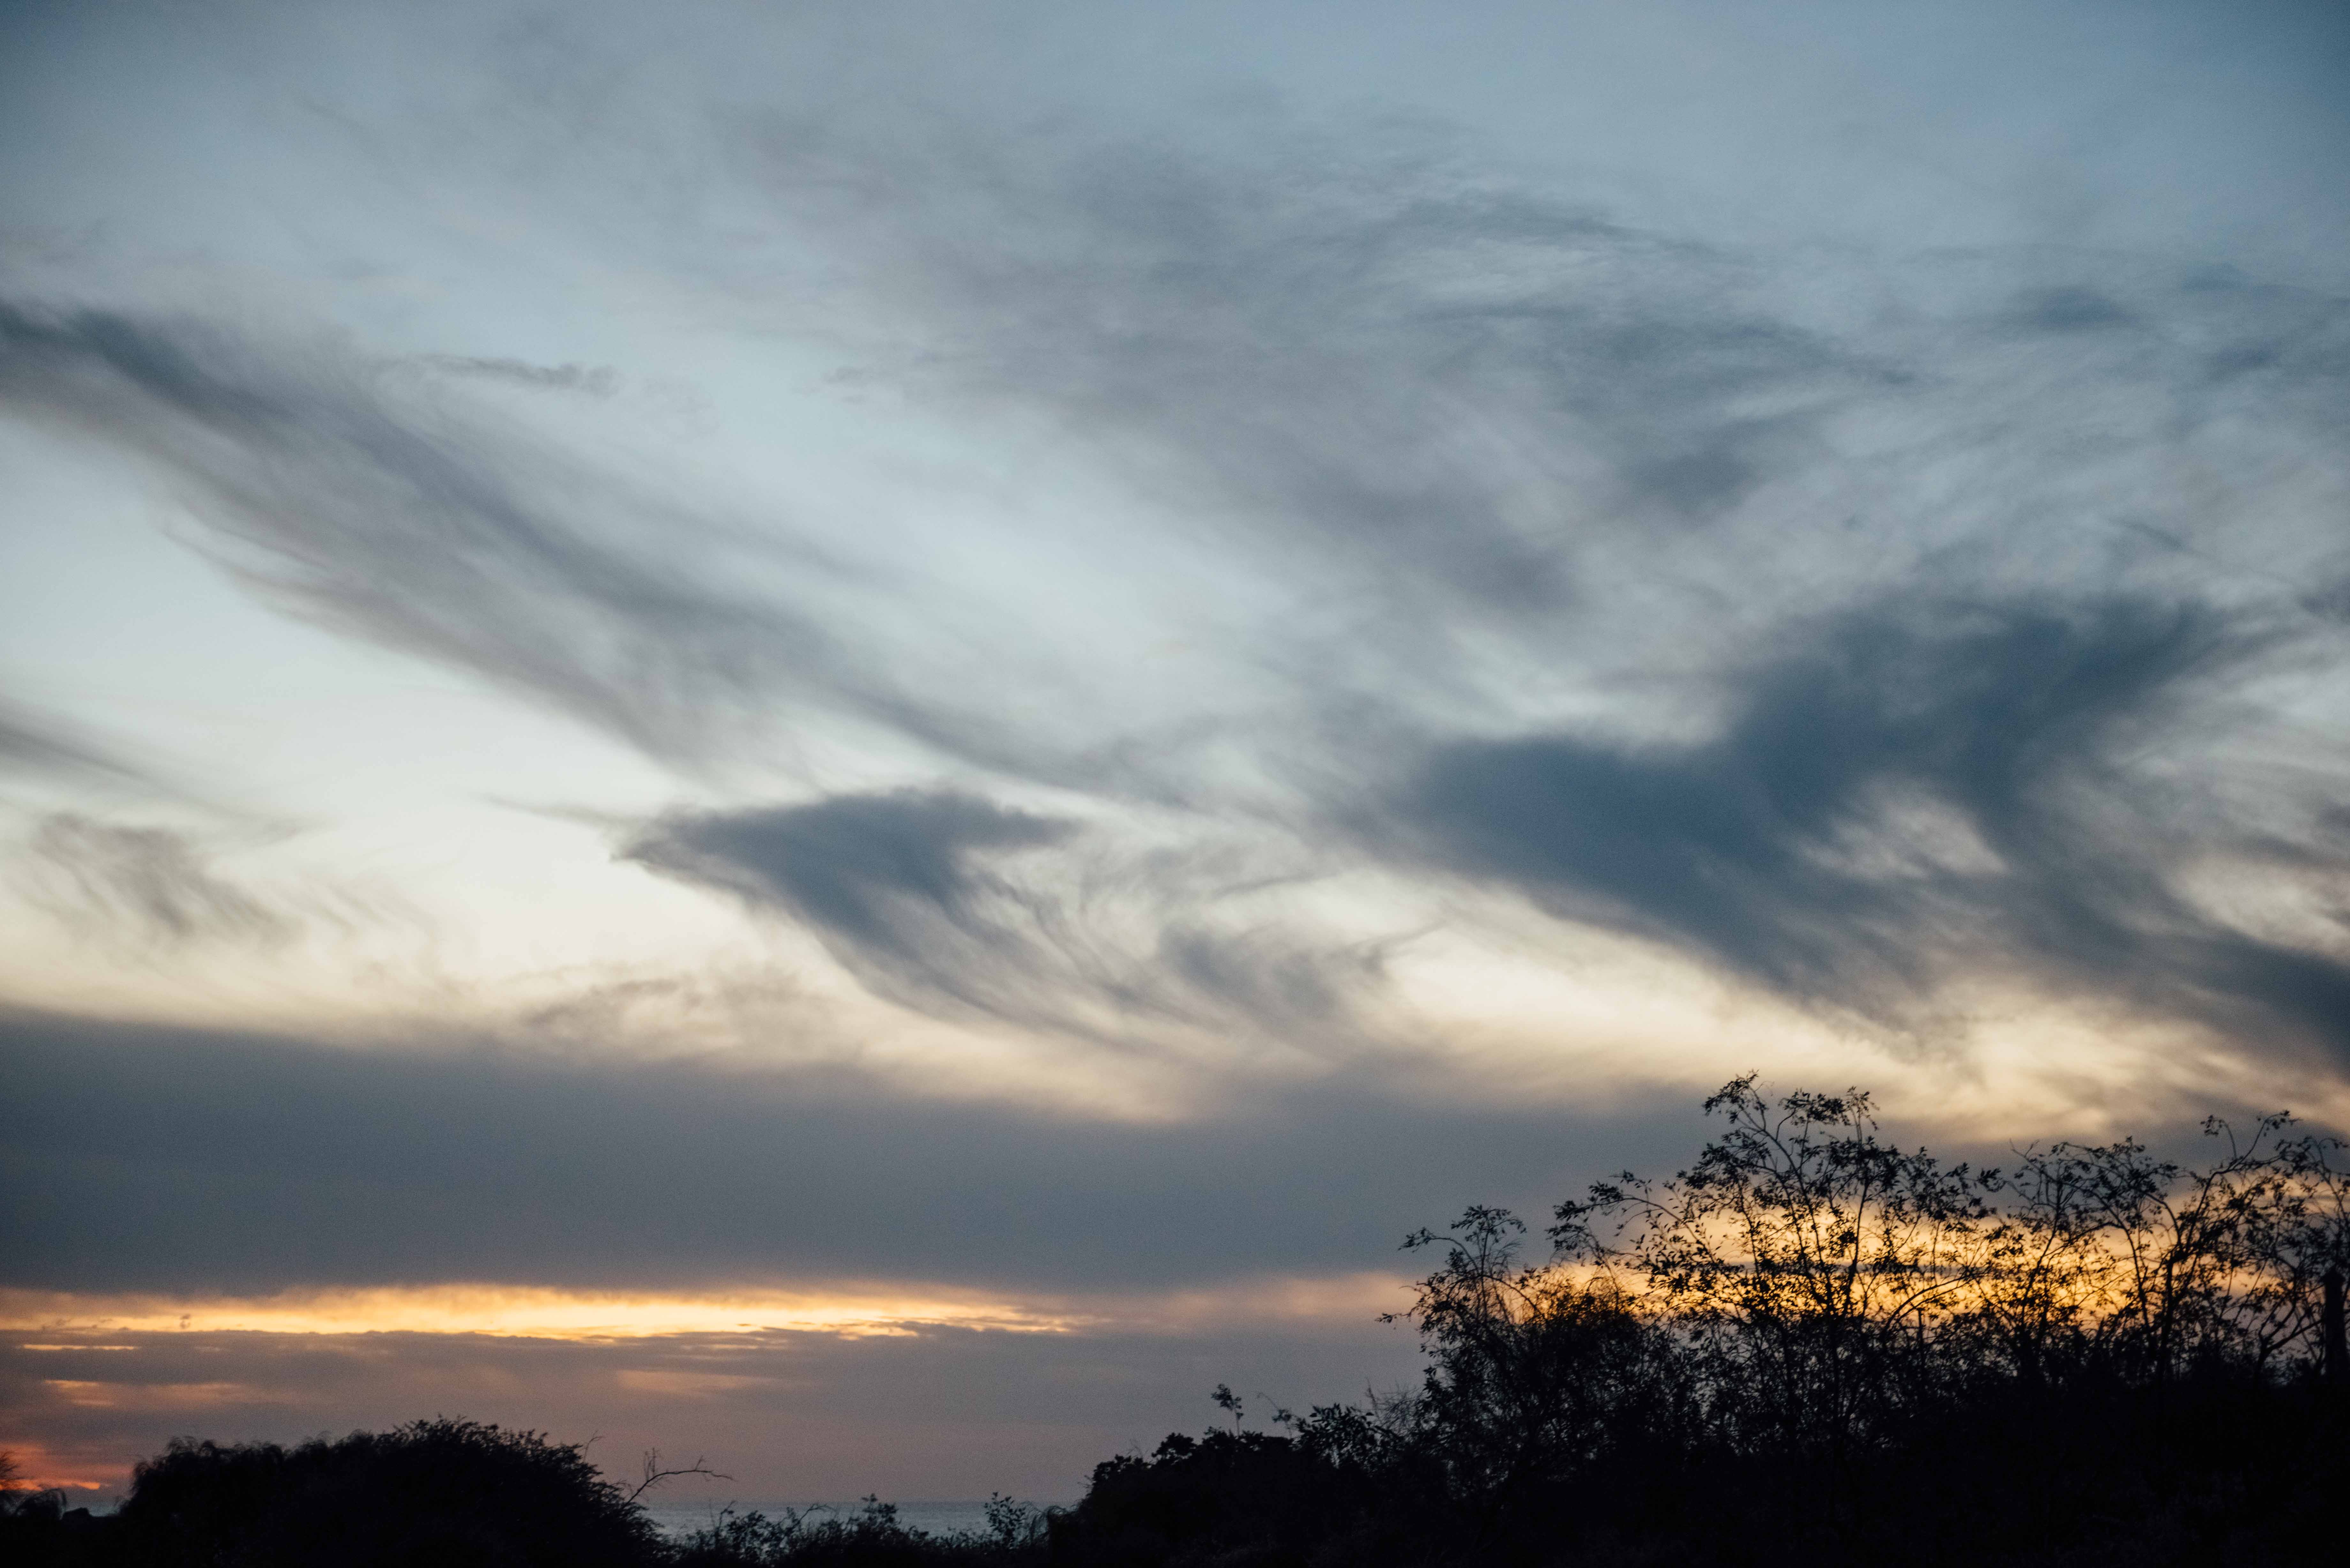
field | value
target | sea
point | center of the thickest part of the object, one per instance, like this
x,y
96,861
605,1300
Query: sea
x,y
938,1516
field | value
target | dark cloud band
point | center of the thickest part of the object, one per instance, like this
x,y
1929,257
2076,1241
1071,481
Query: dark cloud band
x,y
197,1161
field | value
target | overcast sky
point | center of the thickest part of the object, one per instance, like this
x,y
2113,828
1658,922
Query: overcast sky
x,y
863,738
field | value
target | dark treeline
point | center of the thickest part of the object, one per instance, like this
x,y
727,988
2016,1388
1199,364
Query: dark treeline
x,y
1809,1346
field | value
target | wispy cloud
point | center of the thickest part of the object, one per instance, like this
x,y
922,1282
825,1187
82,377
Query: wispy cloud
x,y
1917,791
1483,408
1709,593
37,743
156,890
596,381
945,901
1854,623
145,884
360,502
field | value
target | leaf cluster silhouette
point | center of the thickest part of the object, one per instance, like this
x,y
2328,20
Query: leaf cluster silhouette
x,y
1810,1345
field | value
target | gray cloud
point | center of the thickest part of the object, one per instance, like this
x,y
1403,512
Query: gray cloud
x,y
347,499
146,884
922,896
860,866
153,890
1496,461
38,745
1478,409
597,380
1921,789
200,1161
1385,370
2020,542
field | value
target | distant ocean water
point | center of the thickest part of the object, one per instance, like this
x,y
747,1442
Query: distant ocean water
x,y
936,1515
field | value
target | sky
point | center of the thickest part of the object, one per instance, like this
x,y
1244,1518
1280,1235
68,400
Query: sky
x,y
861,740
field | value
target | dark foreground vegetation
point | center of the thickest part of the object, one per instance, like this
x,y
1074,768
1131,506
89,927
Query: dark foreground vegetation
x,y
1809,1348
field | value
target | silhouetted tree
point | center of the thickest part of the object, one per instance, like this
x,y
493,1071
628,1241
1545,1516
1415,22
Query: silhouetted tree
x,y
1803,1262
459,1493
1809,1310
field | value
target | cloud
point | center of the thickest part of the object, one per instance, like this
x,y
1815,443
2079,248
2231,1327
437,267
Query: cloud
x,y
341,494
1859,624
1371,362
596,381
1479,410
1922,790
922,896
37,744
209,1161
1490,494
865,869
146,884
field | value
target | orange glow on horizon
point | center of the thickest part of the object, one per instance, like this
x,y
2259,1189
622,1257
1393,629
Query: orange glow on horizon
x,y
515,1312
851,1308
42,1470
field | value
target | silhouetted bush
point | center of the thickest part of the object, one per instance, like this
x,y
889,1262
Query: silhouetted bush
x,y
454,1492
1229,1498
873,1537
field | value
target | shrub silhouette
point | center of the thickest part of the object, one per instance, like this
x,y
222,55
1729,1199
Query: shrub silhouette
x,y
1807,1312
456,1492
1826,1289
1228,1497
873,1537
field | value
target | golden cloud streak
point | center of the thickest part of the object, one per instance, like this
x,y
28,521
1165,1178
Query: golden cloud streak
x,y
520,1311
41,1471
854,1309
